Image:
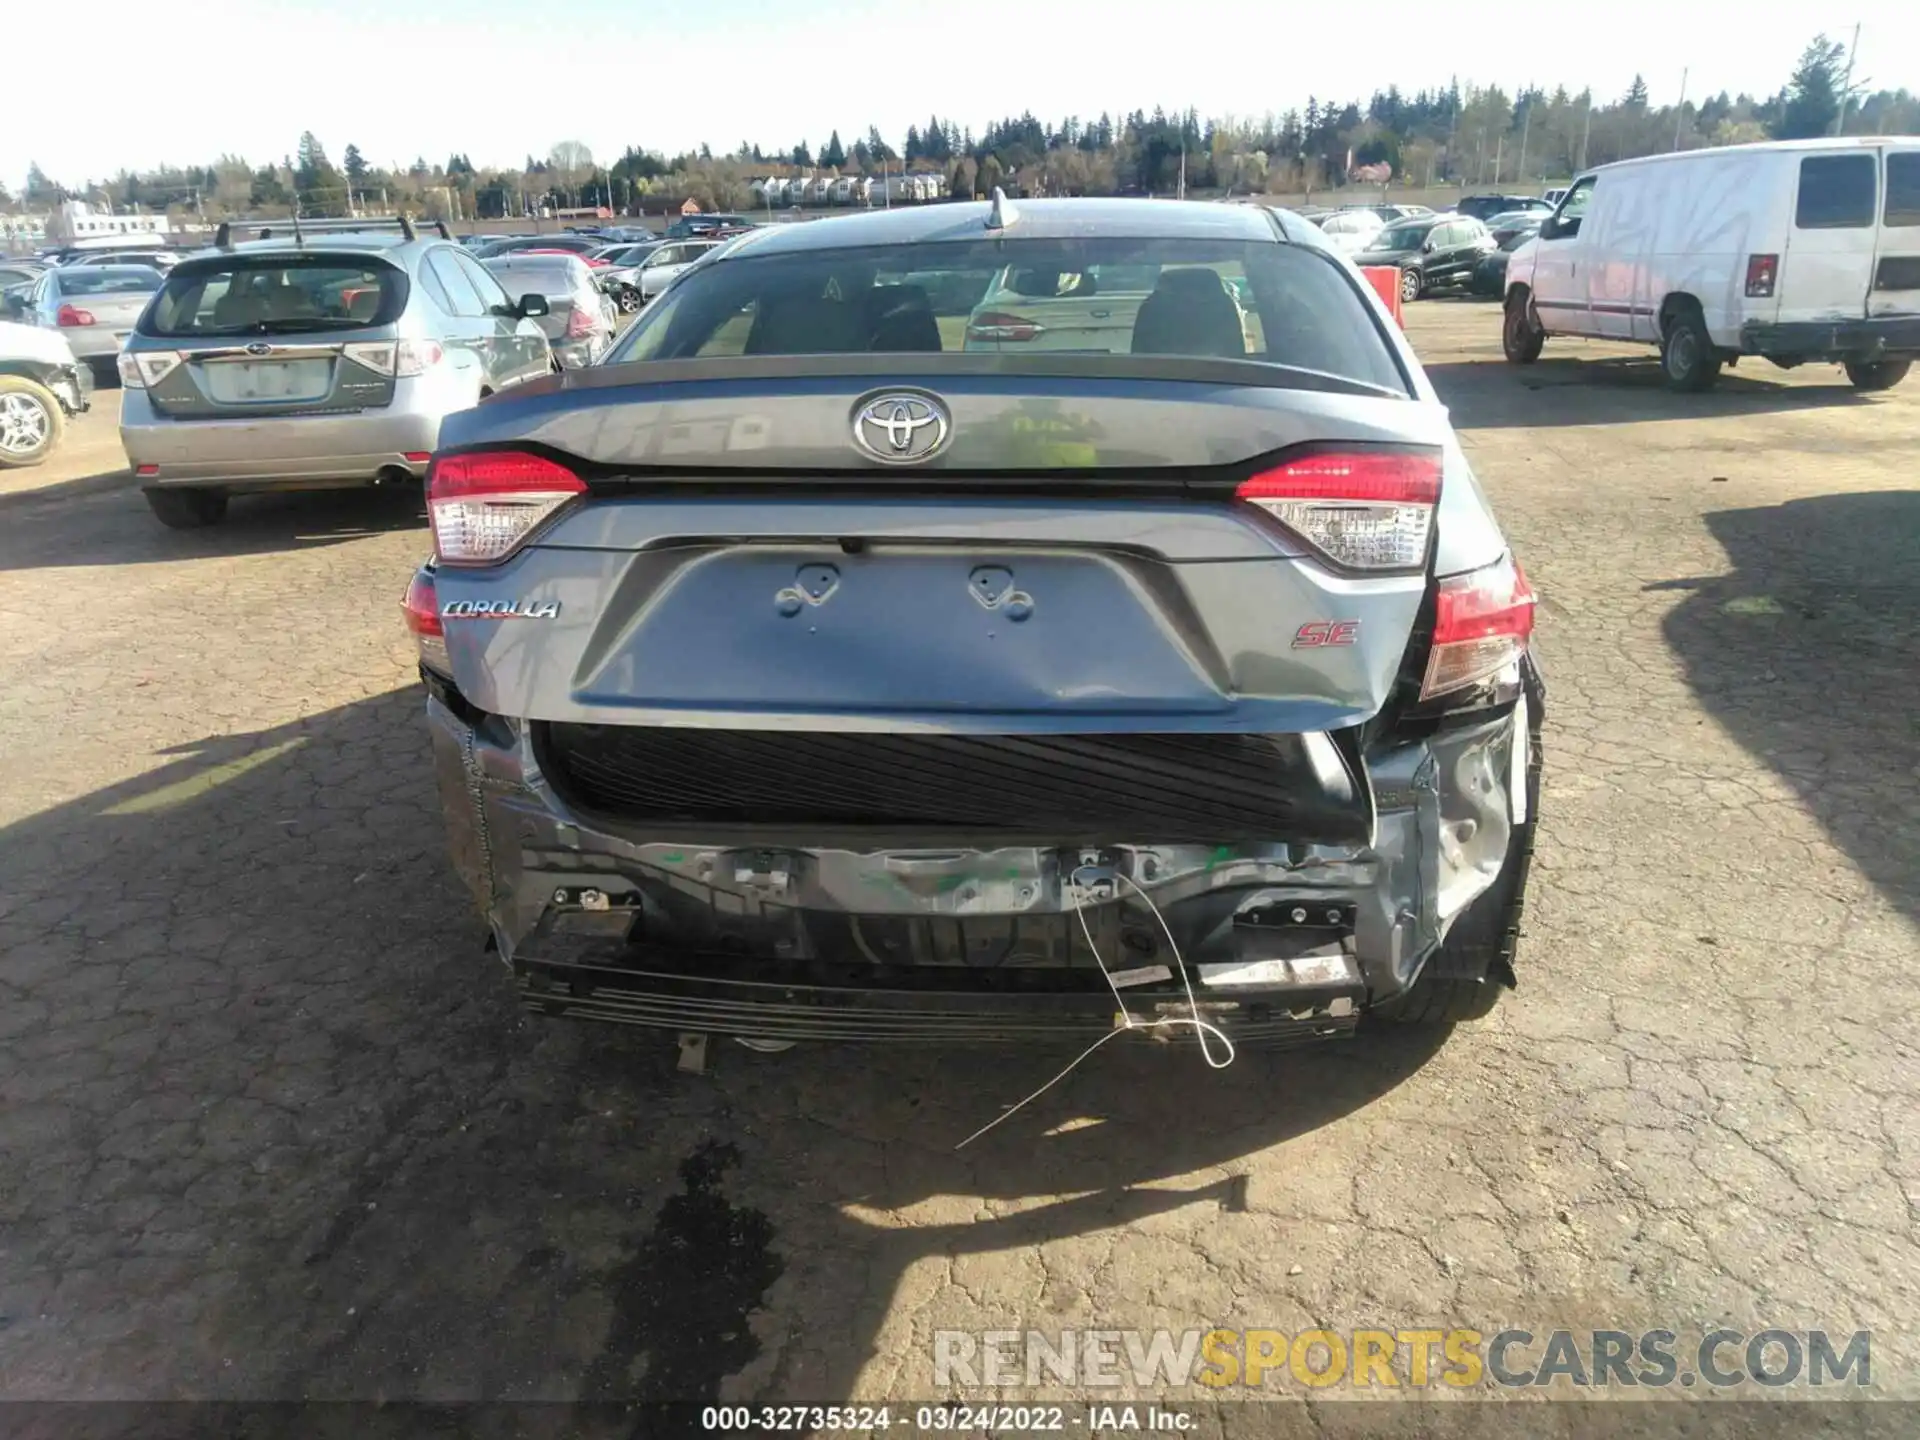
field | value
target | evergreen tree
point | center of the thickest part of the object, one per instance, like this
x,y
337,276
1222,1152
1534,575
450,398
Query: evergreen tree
x,y
1811,105
835,154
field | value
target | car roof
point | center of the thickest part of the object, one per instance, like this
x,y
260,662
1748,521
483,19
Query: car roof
x,y
323,242
1034,220
91,271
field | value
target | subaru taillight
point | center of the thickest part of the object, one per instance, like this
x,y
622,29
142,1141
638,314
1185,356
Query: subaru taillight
x,y
998,325
421,607
1482,622
484,505
1363,509
141,368
400,358
1762,272
69,315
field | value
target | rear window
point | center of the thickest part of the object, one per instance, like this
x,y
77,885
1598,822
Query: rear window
x,y
1402,237
281,294
546,277
96,280
1836,192
1221,299
1903,188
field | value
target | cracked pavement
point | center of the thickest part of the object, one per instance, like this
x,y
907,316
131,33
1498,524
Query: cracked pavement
x,y
274,1128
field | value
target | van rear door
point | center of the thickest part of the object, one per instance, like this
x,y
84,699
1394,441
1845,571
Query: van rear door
x,y
1896,261
1828,268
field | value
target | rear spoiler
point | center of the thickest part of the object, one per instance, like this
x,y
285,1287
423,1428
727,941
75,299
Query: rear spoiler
x,y
223,237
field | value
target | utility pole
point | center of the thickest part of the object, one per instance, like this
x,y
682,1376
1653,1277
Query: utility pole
x,y
1846,85
1526,124
1680,110
1499,148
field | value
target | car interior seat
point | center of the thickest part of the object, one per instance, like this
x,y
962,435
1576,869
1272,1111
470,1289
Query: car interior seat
x,y
1189,313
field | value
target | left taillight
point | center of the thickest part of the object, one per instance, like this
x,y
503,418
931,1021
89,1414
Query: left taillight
x,y
1482,623
421,608
1363,509
71,315
484,505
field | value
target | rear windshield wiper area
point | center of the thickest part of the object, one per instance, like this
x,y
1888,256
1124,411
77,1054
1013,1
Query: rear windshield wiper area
x,y
261,327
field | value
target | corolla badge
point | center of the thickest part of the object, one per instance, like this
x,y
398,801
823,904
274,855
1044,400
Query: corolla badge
x,y
901,427
500,610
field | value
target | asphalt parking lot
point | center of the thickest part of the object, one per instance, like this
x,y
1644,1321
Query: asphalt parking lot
x,y
274,1128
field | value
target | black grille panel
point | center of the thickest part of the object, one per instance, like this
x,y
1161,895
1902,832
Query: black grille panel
x,y
1158,788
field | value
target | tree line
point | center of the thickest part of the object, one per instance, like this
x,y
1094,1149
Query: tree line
x,y
1441,134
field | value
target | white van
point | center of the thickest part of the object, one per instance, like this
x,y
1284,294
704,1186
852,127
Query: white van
x,y
1796,250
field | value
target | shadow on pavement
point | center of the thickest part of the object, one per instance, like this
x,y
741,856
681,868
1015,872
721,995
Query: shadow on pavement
x,y
1808,654
281,1131
38,529
1491,394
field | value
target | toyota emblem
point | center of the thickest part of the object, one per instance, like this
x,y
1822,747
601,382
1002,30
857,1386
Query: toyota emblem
x,y
901,427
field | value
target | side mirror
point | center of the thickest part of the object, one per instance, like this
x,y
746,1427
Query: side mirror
x,y
532,307
1427,249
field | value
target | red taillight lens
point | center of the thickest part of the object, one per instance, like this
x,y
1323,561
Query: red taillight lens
x,y
580,322
1482,622
483,506
997,325
421,608
1762,271
1363,509
68,315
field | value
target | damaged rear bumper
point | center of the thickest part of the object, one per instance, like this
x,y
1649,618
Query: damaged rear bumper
x,y
726,931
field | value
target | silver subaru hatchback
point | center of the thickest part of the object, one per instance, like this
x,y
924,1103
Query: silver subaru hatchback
x,y
313,359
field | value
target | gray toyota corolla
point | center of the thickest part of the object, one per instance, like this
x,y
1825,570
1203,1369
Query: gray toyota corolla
x,y
975,623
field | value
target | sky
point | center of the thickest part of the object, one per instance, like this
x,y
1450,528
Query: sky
x,y
502,79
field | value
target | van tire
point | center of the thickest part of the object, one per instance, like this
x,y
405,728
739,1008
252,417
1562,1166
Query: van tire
x,y
1520,333
183,507
1877,374
1687,353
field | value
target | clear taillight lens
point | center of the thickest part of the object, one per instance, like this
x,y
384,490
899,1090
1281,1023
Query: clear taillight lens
x,y
997,326
483,506
141,368
421,607
395,357
1362,509
1481,624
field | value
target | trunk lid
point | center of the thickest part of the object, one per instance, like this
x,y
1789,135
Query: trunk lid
x,y
1073,561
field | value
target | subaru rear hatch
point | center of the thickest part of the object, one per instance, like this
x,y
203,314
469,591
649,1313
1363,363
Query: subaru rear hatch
x,y
237,335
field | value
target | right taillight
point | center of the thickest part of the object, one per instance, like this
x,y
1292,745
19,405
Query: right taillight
x,y
998,325
1481,624
1362,509
581,321
421,607
484,505
1762,272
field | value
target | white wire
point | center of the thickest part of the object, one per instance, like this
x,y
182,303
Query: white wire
x,y
1200,1027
